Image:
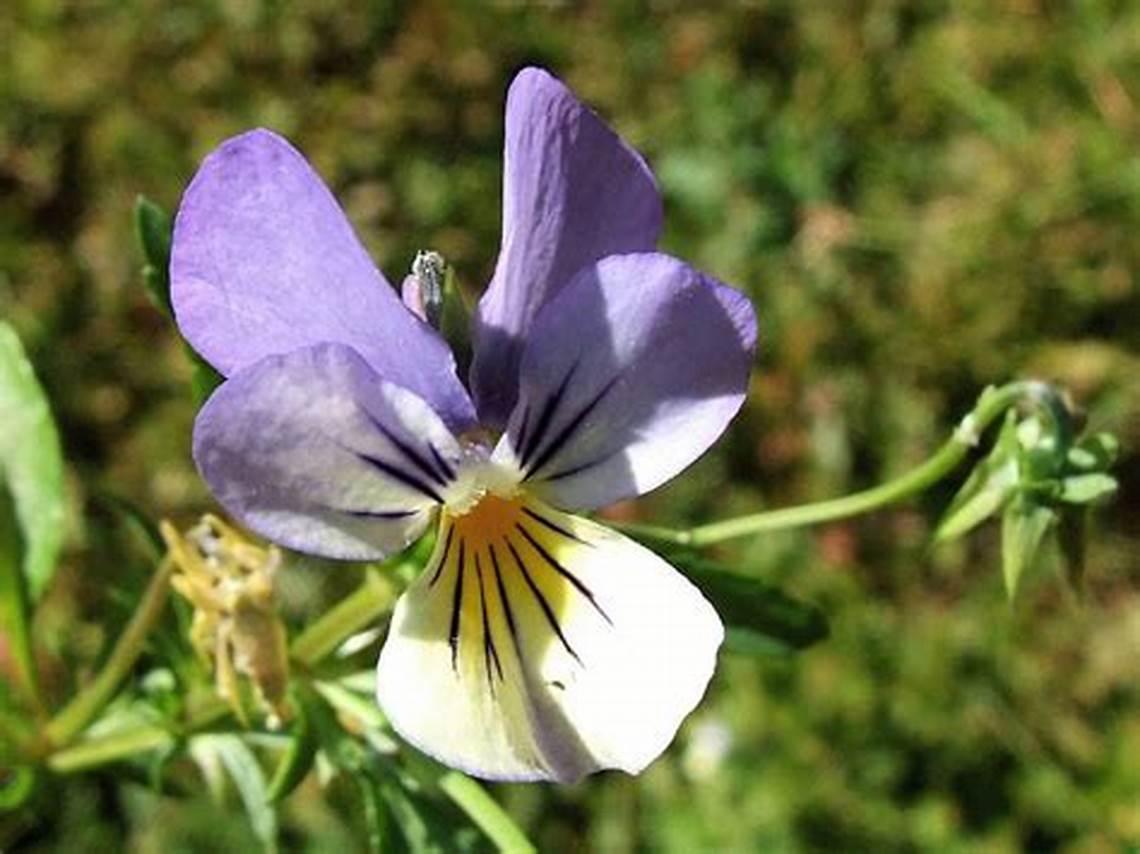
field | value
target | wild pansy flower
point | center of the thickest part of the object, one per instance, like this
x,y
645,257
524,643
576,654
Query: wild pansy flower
x,y
536,644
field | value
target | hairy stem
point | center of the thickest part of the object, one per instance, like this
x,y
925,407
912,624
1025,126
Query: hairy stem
x,y
86,705
365,605
130,741
992,404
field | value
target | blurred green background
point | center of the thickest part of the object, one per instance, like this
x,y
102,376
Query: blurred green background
x,y
921,197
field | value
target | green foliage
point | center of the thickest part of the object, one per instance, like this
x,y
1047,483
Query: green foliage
x,y
1023,527
15,613
922,199
153,232
988,487
759,618
31,466
1035,478
297,760
230,753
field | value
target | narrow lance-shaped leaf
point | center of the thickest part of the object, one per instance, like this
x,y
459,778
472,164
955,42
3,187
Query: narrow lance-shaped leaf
x,y
1023,528
988,487
473,799
375,812
485,812
134,519
1072,536
298,757
759,618
1095,453
15,618
204,379
16,786
1087,488
414,826
248,778
153,229
31,464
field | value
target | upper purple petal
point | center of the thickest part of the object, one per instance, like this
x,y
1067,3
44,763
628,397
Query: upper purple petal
x,y
264,261
573,192
628,376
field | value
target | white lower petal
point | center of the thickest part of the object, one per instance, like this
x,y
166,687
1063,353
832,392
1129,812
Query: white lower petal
x,y
610,649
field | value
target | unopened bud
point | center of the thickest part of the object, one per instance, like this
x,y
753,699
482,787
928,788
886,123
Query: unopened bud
x,y
423,290
432,294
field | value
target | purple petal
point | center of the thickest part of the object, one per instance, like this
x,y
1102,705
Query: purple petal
x,y
264,262
628,376
315,451
573,193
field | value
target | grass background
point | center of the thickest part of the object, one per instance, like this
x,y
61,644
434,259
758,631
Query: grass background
x,y
922,198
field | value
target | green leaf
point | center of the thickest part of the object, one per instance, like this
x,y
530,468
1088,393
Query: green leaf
x,y
759,618
298,757
1087,488
1042,455
345,701
455,322
15,619
375,813
16,786
17,729
414,826
1023,528
988,487
1072,536
204,378
249,780
153,230
485,812
136,521
1097,452
30,464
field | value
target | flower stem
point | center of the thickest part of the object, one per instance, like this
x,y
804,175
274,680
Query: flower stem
x,y
367,603
992,404
83,709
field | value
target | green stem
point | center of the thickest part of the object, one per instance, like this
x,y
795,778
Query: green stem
x,y
75,717
364,606
368,602
128,742
992,404
112,748
485,812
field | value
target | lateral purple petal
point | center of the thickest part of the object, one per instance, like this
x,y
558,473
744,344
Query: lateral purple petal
x,y
264,261
628,376
573,192
314,450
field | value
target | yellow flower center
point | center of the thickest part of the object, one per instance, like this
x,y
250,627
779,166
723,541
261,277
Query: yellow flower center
x,y
492,518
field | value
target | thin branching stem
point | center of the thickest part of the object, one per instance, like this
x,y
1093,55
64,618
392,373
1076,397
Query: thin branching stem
x,y
992,404
87,704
